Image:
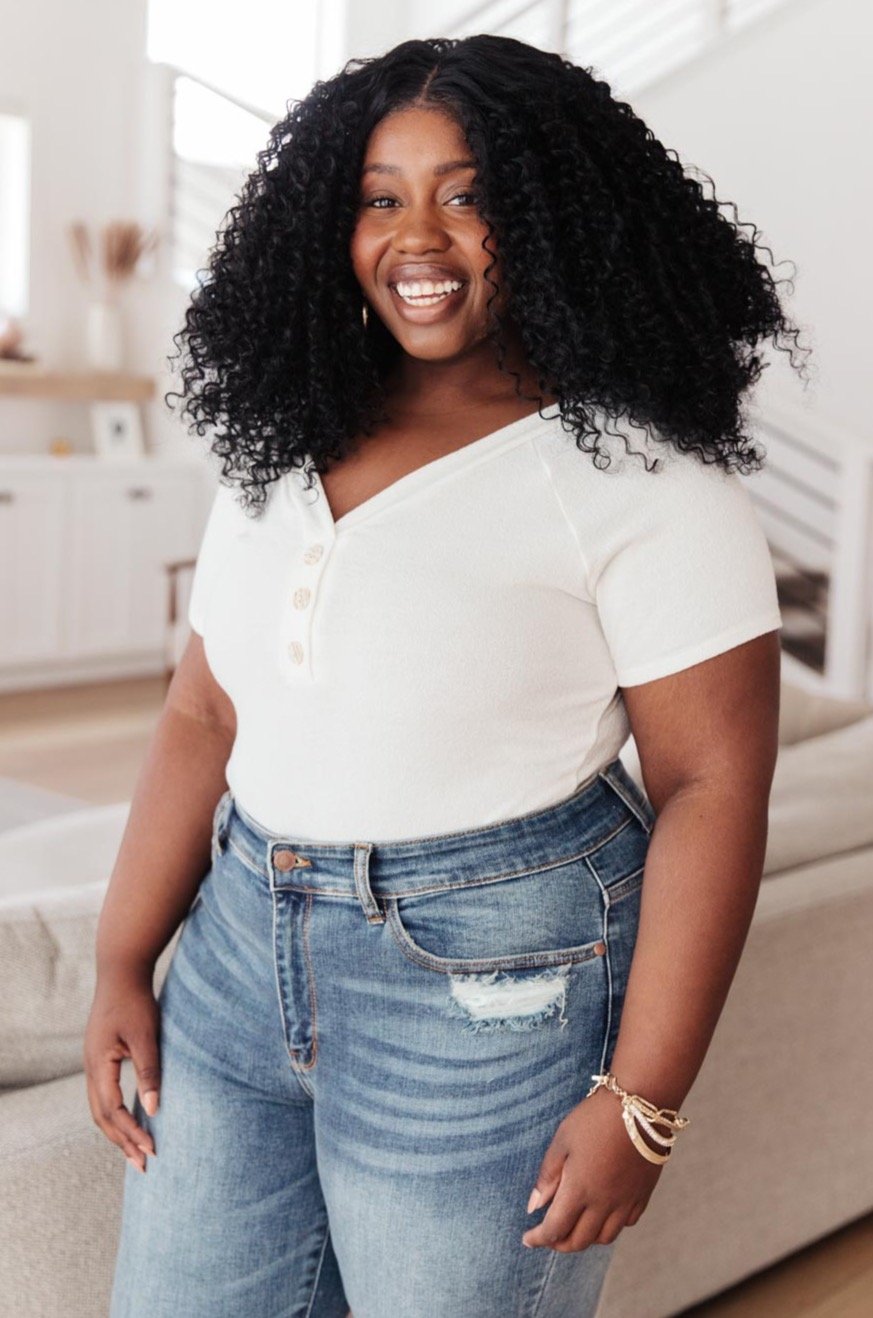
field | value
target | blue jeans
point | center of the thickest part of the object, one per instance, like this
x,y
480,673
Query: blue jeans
x,y
366,1050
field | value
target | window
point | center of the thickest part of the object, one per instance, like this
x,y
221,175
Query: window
x,y
214,147
225,76
630,43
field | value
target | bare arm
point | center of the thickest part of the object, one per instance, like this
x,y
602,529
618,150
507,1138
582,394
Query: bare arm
x,y
708,741
164,851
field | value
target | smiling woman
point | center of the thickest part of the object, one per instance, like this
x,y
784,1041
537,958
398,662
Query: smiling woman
x,y
599,273
400,267
426,615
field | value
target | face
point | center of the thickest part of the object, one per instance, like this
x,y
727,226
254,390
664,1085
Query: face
x,y
417,246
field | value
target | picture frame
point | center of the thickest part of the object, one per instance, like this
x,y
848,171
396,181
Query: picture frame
x,y
116,429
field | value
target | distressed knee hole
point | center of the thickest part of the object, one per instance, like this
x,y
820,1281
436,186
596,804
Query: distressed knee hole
x,y
501,1000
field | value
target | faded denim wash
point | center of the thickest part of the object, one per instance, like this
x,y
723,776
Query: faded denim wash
x,y
365,1057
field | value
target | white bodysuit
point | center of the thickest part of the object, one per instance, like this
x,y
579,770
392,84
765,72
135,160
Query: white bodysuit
x,y
451,652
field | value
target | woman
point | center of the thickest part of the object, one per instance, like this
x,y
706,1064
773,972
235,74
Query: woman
x,y
384,797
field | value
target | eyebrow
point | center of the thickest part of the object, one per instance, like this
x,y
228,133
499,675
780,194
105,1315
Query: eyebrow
x,y
445,168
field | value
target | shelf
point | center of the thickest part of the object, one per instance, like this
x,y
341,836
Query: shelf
x,y
20,381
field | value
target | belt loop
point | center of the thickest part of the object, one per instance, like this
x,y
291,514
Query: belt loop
x,y
362,884
220,823
619,779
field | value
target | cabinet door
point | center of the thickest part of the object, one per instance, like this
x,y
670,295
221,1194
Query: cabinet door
x,y
126,526
31,540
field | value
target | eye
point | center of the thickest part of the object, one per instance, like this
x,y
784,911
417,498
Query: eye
x,y
373,202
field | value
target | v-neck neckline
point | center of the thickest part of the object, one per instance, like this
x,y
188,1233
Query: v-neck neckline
x,y
436,468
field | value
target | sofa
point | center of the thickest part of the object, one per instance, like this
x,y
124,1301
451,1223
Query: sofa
x,y
780,1148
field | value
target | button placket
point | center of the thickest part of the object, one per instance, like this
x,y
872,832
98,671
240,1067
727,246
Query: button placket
x,y
303,594
308,563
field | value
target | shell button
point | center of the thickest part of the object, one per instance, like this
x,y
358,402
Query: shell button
x,y
301,597
295,650
313,553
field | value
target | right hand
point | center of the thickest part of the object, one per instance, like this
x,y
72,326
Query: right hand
x,y
124,1022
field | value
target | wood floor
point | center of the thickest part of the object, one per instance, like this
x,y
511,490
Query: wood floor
x,y
89,741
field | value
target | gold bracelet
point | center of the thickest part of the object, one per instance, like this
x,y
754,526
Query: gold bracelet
x,y
633,1109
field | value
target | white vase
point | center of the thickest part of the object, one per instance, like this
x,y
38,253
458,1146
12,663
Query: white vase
x,y
104,336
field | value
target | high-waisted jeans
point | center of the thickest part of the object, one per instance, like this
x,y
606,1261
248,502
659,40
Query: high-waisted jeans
x,y
366,1050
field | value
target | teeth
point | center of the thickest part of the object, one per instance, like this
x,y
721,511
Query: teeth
x,y
425,292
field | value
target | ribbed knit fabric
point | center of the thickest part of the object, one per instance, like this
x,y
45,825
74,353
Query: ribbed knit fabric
x,y
451,652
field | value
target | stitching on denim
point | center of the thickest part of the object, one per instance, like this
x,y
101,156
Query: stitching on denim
x,y
299,1070
463,883
545,1281
607,904
283,1014
625,887
625,794
318,1268
474,965
313,1002
220,817
246,858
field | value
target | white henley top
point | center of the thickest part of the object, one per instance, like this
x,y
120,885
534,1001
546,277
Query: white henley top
x,y
451,652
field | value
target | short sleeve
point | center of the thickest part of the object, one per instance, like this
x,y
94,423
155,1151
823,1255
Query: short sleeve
x,y
685,571
213,545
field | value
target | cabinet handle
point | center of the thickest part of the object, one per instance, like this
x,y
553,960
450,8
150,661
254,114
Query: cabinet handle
x,y
139,492
7,496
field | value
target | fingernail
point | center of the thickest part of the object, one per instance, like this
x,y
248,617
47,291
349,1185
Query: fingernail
x,y
146,1150
535,1200
527,1244
150,1102
133,1162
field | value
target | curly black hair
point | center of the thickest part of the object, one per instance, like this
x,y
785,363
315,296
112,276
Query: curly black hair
x,y
633,294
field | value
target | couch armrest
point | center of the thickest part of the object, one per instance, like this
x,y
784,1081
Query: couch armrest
x,y
780,1149
820,803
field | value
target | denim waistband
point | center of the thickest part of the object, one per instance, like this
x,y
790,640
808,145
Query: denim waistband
x,y
572,827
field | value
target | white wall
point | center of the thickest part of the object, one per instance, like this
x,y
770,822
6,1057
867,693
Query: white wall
x,y
76,71
780,117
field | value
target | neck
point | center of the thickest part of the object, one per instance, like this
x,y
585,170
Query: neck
x,y
459,383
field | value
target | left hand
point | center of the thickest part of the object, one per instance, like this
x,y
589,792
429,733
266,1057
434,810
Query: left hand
x,y
597,1181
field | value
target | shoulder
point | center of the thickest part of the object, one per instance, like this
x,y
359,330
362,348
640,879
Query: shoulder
x,y
645,478
678,510
229,518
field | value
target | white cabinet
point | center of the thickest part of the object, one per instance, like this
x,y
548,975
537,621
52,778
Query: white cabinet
x,y
84,545
122,533
31,547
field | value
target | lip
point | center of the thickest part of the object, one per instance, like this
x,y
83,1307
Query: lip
x,y
411,270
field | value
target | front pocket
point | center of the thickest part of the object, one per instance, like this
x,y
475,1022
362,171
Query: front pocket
x,y
552,917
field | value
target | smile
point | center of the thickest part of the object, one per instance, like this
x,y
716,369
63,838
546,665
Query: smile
x,y
424,295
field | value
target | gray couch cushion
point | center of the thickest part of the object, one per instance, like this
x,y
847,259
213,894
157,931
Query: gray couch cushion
x,y
821,803
47,977
53,877
22,803
804,714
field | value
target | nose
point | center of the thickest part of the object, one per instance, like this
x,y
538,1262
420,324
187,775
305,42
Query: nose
x,y
420,231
